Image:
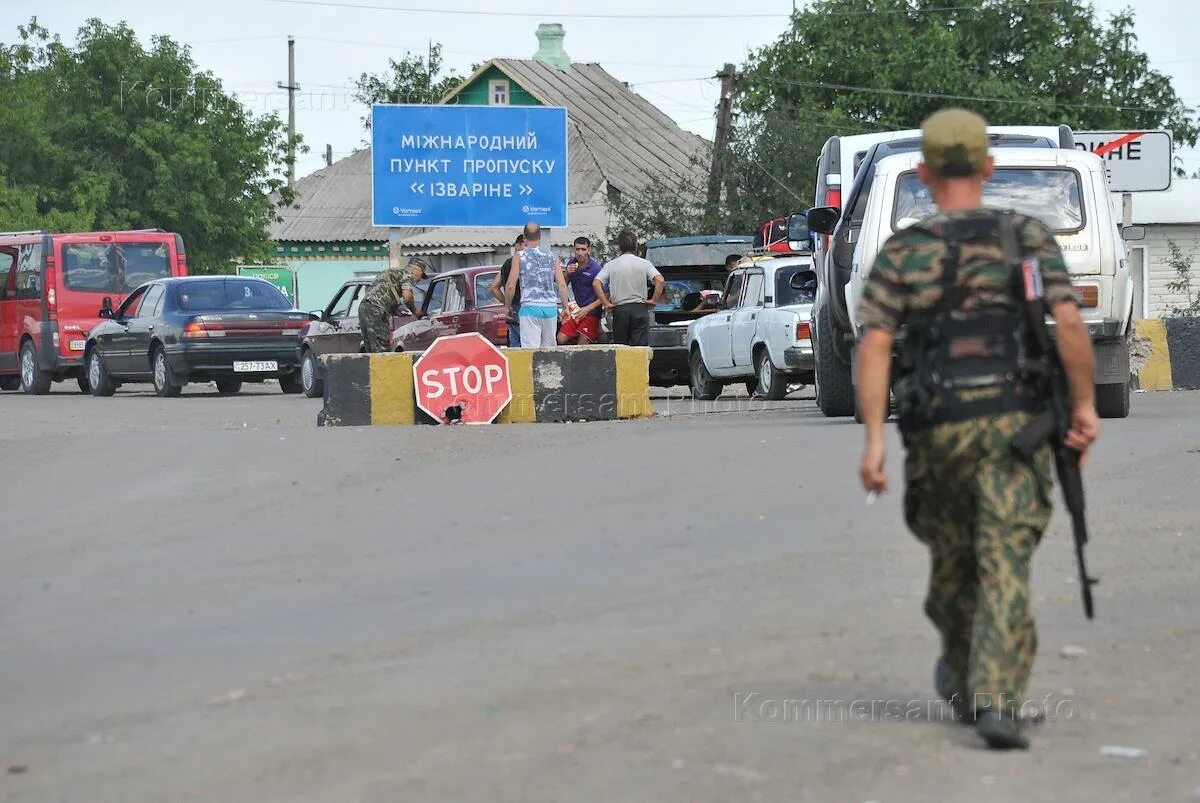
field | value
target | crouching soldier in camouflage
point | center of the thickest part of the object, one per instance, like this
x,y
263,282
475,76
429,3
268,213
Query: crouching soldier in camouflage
x,y
375,310
964,390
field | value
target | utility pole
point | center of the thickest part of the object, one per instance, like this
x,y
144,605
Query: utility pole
x,y
329,155
291,86
716,173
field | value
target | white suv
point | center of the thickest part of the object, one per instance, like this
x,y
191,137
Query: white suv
x,y
1066,190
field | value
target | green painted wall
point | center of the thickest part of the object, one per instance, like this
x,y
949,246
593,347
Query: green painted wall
x,y
476,93
317,280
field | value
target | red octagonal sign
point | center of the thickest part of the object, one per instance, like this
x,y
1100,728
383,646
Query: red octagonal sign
x,y
462,378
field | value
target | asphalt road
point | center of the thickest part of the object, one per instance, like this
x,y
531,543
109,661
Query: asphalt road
x,y
212,599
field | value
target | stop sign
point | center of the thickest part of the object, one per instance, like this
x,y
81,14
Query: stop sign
x,y
462,378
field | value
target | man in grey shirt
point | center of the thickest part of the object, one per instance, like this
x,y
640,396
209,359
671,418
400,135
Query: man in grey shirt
x,y
628,276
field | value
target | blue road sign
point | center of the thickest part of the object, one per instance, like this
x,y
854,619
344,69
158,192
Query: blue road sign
x,y
468,165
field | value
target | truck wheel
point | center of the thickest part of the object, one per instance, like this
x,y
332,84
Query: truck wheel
x,y
1112,401
772,385
229,387
10,382
34,380
833,384
314,385
82,381
704,387
752,386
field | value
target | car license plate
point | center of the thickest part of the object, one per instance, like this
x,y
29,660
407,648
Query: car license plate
x,y
255,366
78,345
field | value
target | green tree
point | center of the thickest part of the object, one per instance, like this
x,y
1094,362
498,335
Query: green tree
x,y
412,79
109,134
855,66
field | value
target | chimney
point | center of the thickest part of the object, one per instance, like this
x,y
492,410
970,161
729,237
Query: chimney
x,y
550,46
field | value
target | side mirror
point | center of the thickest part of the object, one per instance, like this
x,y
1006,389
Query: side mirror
x,y
823,219
106,308
1133,233
317,314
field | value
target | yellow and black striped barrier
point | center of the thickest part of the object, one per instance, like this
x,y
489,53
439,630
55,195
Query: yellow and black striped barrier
x,y
1173,362
577,383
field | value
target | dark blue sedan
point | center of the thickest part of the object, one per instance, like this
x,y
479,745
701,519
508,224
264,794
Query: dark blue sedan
x,y
223,329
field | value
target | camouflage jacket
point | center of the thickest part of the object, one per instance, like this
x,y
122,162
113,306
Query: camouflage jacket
x,y
905,280
388,289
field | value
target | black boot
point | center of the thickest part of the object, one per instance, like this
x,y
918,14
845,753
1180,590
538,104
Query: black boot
x,y
1001,731
963,711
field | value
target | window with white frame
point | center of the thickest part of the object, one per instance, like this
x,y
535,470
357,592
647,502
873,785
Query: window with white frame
x,y
498,93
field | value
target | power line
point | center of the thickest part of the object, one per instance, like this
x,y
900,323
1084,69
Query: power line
x,y
556,15
942,96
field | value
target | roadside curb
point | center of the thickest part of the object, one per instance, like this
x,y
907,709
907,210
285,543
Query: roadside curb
x,y
1174,359
576,383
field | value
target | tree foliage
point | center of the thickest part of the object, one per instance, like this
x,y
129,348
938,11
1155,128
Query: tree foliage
x,y
856,66
109,134
412,79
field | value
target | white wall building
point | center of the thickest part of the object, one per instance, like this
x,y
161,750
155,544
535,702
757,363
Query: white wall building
x,y
1170,216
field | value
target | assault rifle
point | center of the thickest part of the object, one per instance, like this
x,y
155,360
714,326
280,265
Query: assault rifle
x,y
1052,424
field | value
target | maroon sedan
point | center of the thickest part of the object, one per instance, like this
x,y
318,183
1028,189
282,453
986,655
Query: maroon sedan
x,y
457,302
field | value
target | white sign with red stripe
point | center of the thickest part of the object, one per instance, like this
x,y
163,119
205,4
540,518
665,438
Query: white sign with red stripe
x,y
1136,161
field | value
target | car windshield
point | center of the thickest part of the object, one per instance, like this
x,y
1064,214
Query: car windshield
x,y
209,295
113,267
1051,195
786,295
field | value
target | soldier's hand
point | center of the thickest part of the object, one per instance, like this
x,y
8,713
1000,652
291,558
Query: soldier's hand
x,y
1085,428
871,472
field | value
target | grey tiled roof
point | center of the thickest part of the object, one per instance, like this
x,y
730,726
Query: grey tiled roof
x,y
628,139
615,136
333,203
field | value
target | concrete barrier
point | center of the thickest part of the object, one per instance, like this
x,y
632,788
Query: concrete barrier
x,y
575,383
1173,359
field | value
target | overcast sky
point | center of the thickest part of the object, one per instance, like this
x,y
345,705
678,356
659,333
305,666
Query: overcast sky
x,y
244,42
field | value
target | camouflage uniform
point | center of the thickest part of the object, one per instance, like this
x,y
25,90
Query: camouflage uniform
x,y
979,508
375,309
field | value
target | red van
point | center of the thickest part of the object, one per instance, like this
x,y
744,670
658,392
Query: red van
x,y
52,287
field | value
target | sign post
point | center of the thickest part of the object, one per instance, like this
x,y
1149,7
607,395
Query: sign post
x,y
486,166
462,379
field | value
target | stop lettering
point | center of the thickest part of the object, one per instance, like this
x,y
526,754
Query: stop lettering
x,y
462,378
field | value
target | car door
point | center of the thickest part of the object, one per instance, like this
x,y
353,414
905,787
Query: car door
x,y
141,330
715,336
115,340
420,334
9,323
455,318
744,319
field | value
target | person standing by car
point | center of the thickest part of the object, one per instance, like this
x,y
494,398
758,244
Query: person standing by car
x,y
582,327
497,291
540,275
394,285
981,508
627,277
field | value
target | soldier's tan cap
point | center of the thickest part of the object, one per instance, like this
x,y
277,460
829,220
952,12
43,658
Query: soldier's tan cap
x,y
954,143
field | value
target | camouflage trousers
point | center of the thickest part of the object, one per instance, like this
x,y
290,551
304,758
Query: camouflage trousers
x,y
375,325
981,510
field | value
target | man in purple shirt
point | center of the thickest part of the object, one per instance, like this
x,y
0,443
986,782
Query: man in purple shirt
x,y
583,327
